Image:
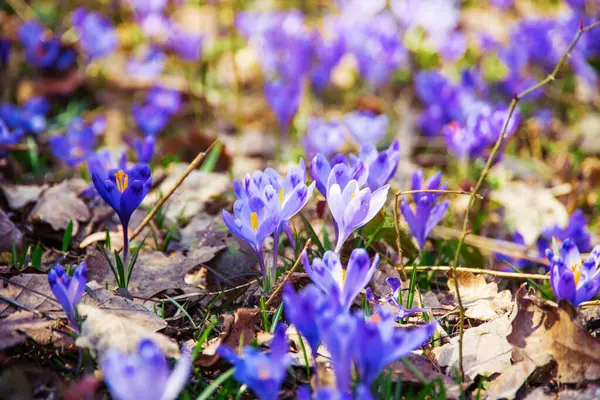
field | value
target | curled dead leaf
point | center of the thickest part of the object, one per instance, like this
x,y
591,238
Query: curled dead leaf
x,y
481,299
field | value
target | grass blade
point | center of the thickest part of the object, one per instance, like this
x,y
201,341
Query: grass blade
x,y
67,237
36,257
311,232
210,389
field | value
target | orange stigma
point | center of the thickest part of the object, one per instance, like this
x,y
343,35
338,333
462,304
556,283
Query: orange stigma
x,y
122,180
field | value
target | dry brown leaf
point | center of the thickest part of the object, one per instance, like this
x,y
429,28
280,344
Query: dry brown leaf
x,y
236,328
192,195
102,330
485,349
61,204
29,290
508,384
481,299
19,326
9,234
18,196
542,332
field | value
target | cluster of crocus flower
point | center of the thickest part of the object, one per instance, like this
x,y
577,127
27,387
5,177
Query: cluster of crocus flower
x,y
28,118
428,213
144,374
68,290
77,144
97,36
44,50
154,114
265,204
8,137
571,278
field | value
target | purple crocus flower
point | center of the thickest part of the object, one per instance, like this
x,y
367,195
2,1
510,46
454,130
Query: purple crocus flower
x,y
391,303
150,119
325,137
502,4
321,169
517,238
8,137
361,8
351,207
261,372
571,278
97,36
68,290
284,100
382,166
428,214
124,191
5,46
101,162
187,45
147,65
75,146
341,283
381,342
576,231
167,100
303,309
155,26
144,374
327,52
145,149
145,7
26,118
253,222
366,127
44,51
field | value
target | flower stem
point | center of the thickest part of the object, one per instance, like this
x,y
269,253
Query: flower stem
x,y
275,254
125,245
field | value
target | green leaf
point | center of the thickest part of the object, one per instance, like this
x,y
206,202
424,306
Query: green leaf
x,y
276,317
132,261
109,262
67,237
411,288
121,270
23,256
382,227
211,158
107,239
36,257
311,233
15,257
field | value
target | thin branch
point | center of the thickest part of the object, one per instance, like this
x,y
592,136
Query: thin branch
x,y
193,165
397,226
271,298
484,173
481,271
442,191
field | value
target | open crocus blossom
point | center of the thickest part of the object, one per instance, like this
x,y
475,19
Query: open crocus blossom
x,y
341,283
352,207
381,342
428,214
391,303
302,309
261,372
75,146
382,166
321,169
68,290
144,374
124,191
571,278
97,36
253,222
366,127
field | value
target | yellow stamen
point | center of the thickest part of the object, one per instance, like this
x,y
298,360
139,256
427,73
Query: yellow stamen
x,y
264,373
122,180
254,220
353,195
343,275
576,269
281,193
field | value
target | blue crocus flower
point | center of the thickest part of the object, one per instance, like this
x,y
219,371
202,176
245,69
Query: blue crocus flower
x,y
428,214
43,51
75,146
517,238
325,137
30,118
571,278
341,283
303,309
101,162
8,137
348,170
145,149
5,46
68,290
391,303
327,53
187,45
144,374
284,100
124,191
351,207
366,127
380,342
576,230
261,372
149,118
381,166
148,65
97,36
167,100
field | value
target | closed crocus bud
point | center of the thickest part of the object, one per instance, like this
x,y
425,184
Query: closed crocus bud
x,y
68,290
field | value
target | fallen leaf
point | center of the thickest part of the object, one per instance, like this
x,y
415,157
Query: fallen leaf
x,y
480,298
542,332
237,328
60,204
29,290
104,329
19,196
530,208
510,381
192,195
21,325
485,349
9,234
